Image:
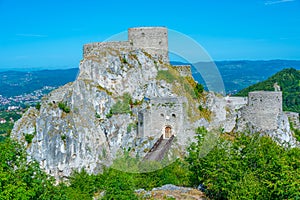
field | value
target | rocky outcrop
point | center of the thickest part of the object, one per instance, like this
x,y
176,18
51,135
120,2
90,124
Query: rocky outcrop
x,y
87,123
170,191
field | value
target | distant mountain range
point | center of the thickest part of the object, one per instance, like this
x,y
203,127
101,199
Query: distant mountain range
x,y
236,75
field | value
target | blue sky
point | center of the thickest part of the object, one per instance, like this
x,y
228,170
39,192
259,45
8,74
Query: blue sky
x,y
50,33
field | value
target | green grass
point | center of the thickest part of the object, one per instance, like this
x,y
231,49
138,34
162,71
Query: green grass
x,y
165,75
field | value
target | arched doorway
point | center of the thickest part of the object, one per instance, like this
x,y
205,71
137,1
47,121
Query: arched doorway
x,y
168,132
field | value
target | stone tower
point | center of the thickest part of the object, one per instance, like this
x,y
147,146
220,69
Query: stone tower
x,y
263,109
153,40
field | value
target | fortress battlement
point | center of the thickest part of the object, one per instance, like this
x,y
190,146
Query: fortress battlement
x,y
153,40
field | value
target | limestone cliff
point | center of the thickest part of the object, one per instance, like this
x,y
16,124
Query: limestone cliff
x,y
85,124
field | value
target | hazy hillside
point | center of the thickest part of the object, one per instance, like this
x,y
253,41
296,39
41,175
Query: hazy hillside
x,y
238,75
14,83
289,81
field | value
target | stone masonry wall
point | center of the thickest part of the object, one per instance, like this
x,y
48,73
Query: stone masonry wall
x,y
263,109
154,40
162,112
91,49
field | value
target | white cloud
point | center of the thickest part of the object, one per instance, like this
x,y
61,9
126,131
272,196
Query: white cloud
x,y
277,2
31,35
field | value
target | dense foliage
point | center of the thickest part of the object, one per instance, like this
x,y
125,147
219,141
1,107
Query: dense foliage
x,y
238,167
246,168
20,179
289,81
10,117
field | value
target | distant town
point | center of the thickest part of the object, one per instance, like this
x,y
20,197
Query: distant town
x,y
16,102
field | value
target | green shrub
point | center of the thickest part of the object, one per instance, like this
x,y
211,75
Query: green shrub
x,y
28,138
63,137
245,167
109,114
200,108
124,61
122,106
97,115
38,106
64,107
131,126
198,90
20,179
296,131
297,134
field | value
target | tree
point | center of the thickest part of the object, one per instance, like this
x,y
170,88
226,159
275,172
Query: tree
x,y
246,167
22,179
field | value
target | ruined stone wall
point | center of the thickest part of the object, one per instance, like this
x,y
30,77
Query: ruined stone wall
x,y
236,102
263,109
294,118
153,40
93,49
184,70
162,112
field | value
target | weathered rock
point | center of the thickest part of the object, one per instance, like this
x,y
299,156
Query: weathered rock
x,y
171,191
75,128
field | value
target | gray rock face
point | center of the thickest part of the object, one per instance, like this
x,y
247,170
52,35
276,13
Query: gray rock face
x,y
75,127
85,137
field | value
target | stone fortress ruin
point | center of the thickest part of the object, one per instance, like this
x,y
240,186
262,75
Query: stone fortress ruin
x,y
165,116
90,135
261,111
